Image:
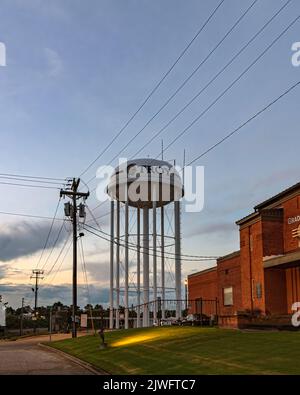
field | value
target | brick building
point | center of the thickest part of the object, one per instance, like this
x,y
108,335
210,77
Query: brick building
x,y
262,279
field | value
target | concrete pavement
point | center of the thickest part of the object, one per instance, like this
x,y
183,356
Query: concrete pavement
x,y
24,356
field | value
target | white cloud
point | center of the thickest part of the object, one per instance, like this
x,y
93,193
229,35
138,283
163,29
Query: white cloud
x,y
54,62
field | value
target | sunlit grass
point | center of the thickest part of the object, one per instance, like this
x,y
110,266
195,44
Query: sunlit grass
x,y
134,340
189,350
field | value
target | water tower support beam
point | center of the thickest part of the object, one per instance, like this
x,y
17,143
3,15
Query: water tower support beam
x,y
126,264
162,231
146,267
177,258
138,268
118,266
111,267
154,260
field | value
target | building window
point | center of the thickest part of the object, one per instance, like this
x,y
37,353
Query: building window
x,y
258,290
228,296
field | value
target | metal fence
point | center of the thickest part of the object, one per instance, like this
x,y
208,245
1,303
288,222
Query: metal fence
x,y
163,312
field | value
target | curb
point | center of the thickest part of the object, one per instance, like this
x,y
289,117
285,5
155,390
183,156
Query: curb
x,y
85,365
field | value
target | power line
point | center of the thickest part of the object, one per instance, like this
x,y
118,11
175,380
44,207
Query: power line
x,y
232,84
227,89
59,255
28,185
30,216
49,233
61,263
150,248
35,177
85,277
212,80
245,123
93,217
31,180
54,245
134,249
154,89
184,82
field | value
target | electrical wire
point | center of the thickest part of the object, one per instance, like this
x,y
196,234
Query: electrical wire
x,y
54,245
30,216
49,233
155,88
31,180
147,253
256,115
59,255
151,248
35,177
85,277
231,85
184,83
202,90
28,185
61,263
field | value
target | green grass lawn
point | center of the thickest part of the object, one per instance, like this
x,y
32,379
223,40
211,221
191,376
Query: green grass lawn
x,y
189,350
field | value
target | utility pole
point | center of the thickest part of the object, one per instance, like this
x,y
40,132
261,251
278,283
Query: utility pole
x,y
50,324
37,275
22,316
71,210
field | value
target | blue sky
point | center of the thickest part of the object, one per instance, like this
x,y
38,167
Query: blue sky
x,y
77,70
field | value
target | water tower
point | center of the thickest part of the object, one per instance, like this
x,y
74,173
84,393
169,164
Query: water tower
x,y
146,187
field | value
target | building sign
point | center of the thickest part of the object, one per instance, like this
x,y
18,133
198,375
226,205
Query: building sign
x,y
292,220
83,320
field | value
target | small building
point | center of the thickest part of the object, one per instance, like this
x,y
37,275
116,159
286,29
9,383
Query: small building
x,y
262,279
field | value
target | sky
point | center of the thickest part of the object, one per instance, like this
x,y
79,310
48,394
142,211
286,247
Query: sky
x,y
77,71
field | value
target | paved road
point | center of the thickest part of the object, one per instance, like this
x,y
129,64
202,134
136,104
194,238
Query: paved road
x,y
26,357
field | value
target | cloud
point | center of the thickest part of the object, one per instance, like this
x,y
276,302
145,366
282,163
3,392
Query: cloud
x,y
3,271
26,238
217,228
54,62
51,9
98,271
50,294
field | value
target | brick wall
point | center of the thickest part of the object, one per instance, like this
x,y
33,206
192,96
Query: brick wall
x,y
203,285
252,273
272,231
293,286
229,275
275,288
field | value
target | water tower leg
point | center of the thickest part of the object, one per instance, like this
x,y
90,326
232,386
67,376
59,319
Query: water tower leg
x,y
146,267
154,262
162,231
111,267
138,269
177,258
126,265
118,267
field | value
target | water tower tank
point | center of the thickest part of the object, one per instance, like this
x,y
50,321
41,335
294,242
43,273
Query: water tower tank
x,y
142,181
